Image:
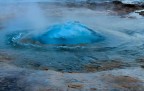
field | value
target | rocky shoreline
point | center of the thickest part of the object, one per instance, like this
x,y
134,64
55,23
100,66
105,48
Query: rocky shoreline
x,y
118,7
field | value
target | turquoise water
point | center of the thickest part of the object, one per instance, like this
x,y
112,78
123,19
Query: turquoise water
x,y
123,37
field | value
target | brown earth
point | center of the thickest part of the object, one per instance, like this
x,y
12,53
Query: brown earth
x,y
124,83
4,57
106,65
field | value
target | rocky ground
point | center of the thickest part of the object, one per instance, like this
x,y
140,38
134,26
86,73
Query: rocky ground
x,y
13,78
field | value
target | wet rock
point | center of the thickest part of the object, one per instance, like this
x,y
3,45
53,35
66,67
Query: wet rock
x,y
5,57
75,86
142,66
140,61
141,13
93,89
125,83
122,8
10,84
75,66
105,65
118,7
44,68
117,2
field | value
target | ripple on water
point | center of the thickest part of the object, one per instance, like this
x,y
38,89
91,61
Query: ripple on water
x,y
68,47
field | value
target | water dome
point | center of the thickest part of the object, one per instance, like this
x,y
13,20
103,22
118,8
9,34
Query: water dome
x,y
69,33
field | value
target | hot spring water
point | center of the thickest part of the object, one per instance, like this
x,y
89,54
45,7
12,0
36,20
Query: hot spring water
x,y
40,37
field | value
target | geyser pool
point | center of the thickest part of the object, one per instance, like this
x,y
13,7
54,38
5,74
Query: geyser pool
x,y
56,47
115,46
69,33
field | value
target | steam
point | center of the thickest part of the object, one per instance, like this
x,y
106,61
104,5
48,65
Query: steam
x,y
19,16
31,16
36,17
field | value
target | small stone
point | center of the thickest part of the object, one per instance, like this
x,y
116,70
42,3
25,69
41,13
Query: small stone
x,y
93,89
44,68
141,13
76,86
142,66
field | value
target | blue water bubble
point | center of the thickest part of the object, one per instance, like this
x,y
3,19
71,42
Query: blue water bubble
x,y
69,33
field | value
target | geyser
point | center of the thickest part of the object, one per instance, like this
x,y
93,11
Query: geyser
x,y
62,34
69,33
